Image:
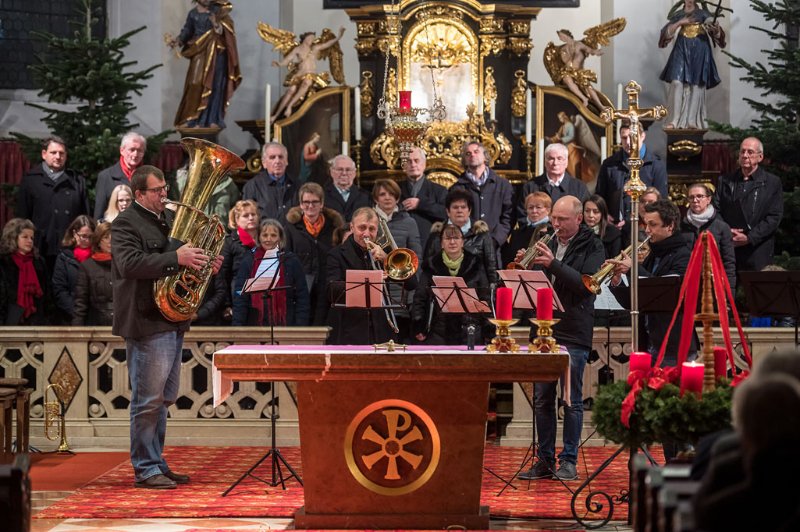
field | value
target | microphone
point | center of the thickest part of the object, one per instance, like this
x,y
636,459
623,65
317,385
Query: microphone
x,y
471,329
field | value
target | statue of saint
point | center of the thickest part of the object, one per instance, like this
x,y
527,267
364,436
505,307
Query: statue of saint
x,y
208,41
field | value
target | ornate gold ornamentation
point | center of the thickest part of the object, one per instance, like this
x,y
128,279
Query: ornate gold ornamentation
x,y
446,47
491,25
439,11
492,45
367,28
679,193
685,149
392,447
690,31
367,94
520,45
366,46
391,88
518,99
519,27
489,88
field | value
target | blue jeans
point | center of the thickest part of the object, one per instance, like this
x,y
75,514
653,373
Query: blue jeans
x,y
154,368
545,400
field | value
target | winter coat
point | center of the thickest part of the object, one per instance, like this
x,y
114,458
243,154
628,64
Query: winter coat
x,y
477,241
94,294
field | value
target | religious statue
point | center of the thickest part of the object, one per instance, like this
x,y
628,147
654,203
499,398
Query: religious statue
x,y
208,41
690,69
301,56
565,63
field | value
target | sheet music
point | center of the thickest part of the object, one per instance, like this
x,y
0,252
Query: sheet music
x,y
449,280
448,300
524,284
267,274
356,282
605,299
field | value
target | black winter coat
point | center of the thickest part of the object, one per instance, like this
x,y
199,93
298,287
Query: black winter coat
x,y
569,186
477,241
273,200
722,234
358,198
492,203
431,206
65,278
10,312
613,174
94,294
233,251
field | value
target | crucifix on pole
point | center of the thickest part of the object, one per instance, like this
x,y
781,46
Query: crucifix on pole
x,y
634,187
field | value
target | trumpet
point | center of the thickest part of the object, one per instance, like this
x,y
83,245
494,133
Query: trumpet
x,y
54,412
593,283
531,253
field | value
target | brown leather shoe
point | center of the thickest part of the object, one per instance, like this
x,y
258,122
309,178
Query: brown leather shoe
x,y
156,482
177,477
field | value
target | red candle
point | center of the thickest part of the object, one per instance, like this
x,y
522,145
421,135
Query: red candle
x,y
692,377
720,362
640,362
503,301
544,304
405,101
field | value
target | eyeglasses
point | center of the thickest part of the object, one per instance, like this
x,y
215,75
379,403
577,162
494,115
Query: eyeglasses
x,y
158,190
698,197
748,152
83,236
310,203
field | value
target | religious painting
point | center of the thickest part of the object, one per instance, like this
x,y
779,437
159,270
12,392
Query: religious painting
x,y
319,124
561,118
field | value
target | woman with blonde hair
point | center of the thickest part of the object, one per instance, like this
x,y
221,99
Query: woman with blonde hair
x,y
121,198
243,220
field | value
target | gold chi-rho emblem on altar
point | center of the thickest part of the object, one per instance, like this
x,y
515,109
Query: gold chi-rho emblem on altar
x,y
392,447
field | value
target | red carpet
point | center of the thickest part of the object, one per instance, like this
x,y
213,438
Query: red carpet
x,y
68,472
214,469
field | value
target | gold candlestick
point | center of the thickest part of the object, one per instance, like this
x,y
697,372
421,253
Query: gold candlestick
x,y
357,152
544,341
528,147
502,342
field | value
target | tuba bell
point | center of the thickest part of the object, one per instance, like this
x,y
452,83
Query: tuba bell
x,y
179,296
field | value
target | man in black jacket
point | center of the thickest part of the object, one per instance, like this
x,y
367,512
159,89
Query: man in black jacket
x,y
751,202
341,194
421,198
555,181
132,149
574,252
51,196
141,255
272,189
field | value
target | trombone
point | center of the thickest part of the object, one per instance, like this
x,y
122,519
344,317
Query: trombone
x,y
531,253
593,283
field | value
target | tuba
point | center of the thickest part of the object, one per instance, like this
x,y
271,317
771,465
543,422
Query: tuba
x,y
179,296
593,283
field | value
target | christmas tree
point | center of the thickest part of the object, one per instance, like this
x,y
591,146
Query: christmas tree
x,y
778,127
92,77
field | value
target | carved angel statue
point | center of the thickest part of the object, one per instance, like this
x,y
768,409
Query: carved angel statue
x,y
565,63
301,56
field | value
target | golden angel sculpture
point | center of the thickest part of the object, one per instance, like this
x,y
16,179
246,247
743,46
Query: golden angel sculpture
x,y
565,63
301,56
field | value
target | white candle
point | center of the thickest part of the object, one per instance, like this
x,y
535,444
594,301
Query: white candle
x,y
528,117
357,114
492,110
619,95
267,108
344,148
603,148
540,157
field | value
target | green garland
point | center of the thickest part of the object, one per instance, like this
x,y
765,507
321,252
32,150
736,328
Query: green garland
x,y
661,415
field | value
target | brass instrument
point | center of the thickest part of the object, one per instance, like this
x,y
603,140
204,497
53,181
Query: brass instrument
x,y
531,253
593,283
179,296
390,317
400,263
54,412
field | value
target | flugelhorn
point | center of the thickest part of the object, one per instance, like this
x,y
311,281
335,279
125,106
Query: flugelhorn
x,y
593,283
54,413
531,253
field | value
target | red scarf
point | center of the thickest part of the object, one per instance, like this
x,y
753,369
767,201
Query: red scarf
x,y
277,299
246,239
101,257
125,170
28,287
81,254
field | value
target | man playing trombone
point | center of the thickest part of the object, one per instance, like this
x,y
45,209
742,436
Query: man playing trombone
x,y
359,252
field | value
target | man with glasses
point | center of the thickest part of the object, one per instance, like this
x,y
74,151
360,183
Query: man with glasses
x,y
341,194
272,188
141,254
51,196
750,200
702,216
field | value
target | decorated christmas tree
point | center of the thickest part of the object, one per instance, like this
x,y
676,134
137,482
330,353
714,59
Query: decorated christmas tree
x,y
91,82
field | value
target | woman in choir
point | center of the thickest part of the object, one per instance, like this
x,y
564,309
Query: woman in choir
x,y
283,298
76,247
243,221
121,199
94,303
595,216
534,226
430,325
23,276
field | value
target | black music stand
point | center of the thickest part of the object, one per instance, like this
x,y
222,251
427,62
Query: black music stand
x,y
265,283
773,294
454,297
366,289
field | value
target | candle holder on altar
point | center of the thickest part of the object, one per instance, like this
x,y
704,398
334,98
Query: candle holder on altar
x,y
357,152
544,342
528,147
503,342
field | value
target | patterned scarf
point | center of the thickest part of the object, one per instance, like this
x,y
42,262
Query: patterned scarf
x,y
28,287
453,265
314,228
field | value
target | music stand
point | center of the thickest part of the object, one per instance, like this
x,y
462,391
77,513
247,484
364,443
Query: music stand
x,y
366,289
524,284
773,294
265,283
454,297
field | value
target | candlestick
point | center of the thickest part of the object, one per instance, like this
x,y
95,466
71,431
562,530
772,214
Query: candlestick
x,y
503,303
405,100
528,147
357,115
540,156
544,304
357,149
603,148
692,378
528,117
267,110
544,342
640,362
503,342
720,362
